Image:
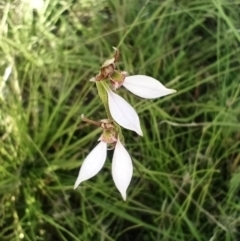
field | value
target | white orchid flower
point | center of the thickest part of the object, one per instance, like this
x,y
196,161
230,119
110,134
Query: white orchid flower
x,y
146,87
141,85
122,168
123,113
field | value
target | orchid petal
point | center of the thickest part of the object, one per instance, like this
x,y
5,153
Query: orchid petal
x,y
146,87
123,113
122,169
92,164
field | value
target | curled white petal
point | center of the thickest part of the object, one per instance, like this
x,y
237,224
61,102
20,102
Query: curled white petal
x,y
123,113
7,73
122,169
92,164
146,87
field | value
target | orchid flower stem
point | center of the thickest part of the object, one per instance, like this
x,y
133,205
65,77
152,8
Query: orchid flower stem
x,y
103,96
102,91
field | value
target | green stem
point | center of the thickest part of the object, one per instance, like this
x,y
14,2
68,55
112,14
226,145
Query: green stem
x,y
101,87
103,96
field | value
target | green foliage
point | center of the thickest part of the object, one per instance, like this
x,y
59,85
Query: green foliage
x,y
186,167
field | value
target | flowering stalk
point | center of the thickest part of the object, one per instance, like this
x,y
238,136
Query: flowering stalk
x,y
101,87
119,114
103,96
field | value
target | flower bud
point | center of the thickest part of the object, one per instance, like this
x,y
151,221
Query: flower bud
x,y
108,68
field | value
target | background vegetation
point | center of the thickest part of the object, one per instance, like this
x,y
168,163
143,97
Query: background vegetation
x,y
186,167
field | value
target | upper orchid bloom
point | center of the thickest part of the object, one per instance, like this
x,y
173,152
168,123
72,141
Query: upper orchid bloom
x,y
123,113
146,86
122,168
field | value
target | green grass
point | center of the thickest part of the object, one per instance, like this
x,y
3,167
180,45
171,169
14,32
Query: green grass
x,y
186,167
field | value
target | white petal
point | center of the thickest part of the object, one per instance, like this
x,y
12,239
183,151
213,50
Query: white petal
x,y
146,87
123,113
92,164
7,73
122,169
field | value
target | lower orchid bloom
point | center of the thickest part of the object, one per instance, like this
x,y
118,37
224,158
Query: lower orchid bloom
x,y
122,168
